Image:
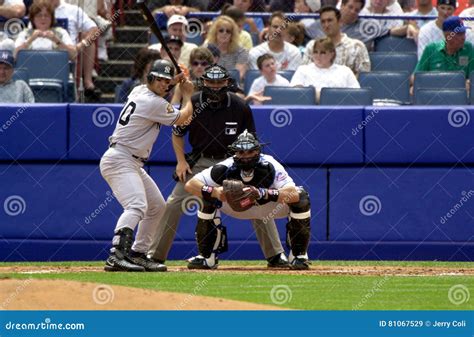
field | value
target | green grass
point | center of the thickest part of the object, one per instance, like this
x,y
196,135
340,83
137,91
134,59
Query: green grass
x,y
313,292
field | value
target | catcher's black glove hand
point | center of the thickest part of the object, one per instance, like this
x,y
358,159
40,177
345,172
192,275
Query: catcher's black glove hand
x,y
240,197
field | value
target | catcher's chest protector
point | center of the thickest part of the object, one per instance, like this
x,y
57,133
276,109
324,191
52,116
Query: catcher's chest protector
x,y
263,175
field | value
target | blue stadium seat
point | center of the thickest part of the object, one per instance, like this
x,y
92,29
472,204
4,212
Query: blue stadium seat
x,y
290,95
439,80
235,74
46,65
346,96
441,97
47,90
471,89
381,61
390,43
250,76
21,74
288,74
393,86
255,38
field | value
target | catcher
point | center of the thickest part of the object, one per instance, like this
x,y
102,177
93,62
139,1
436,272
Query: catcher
x,y
249,185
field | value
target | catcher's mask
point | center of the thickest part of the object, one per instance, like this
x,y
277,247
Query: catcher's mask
x,y
216,74
246,142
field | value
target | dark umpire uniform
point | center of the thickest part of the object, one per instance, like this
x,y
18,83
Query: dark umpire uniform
x,y
219,117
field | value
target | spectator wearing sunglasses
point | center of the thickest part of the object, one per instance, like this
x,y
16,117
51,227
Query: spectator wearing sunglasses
x,y
199,59
224,33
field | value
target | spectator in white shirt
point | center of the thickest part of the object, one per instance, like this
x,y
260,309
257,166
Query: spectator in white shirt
x,y
267,65
178,25
287,56
323,72
432,31
43,35
84,33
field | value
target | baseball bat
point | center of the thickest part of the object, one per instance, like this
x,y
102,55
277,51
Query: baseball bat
x,y
156,30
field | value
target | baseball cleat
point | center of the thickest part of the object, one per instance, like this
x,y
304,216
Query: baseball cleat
x,y
141,259
300,263
114,263
200,262
278,261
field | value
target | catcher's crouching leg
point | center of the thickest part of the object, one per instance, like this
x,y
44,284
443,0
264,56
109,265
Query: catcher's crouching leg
x,y
298,231
211,237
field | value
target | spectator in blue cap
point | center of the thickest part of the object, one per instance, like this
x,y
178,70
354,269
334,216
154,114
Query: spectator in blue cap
x,y
12,91
454,53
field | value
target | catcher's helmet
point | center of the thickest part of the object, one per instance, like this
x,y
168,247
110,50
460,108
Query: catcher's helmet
x,y
246,142
161,68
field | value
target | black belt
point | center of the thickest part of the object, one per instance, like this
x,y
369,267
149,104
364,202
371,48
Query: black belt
x,y
143,160
214,156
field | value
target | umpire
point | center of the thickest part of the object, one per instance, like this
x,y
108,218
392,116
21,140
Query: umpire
x,y
219,117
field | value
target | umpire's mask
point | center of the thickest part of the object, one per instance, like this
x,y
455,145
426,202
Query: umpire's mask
x,y
215,82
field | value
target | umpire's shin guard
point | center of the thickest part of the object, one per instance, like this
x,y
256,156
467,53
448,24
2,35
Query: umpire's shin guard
x,y
298,229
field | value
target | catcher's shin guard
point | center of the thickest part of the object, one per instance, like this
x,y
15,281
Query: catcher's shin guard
x,y
211,235
298,228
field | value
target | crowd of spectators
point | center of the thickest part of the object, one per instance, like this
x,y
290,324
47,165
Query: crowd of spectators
x,y
330,51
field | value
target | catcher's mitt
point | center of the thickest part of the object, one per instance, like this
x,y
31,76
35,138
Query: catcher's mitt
x,y
240,197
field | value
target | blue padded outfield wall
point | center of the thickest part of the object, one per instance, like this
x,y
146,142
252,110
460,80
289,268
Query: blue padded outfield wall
x,y
385,182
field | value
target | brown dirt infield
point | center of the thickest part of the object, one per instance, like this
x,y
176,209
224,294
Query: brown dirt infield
x,y
315,270
32,294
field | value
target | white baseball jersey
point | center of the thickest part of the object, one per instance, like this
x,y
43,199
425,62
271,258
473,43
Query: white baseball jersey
x,y
266,211
78,20
139,123
280,180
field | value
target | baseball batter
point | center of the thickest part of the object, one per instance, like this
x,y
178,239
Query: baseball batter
x,y
122,166
264,191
